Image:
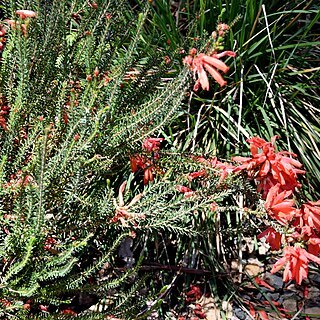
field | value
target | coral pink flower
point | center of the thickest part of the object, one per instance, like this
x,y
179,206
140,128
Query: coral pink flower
x,y
185,190
312,239
141,162
280,208
269,167
152,144
273,238
311,214
296,262
13,24
225,168
26,14
202,63
197,174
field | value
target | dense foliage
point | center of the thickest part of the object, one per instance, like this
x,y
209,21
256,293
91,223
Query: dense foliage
x,y
112,195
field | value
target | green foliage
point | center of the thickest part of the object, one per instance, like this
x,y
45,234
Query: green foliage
x,y
275,74
79,96
82,85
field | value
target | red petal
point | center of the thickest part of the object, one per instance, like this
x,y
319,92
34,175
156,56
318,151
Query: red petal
x,y
215,75
203,79
216,63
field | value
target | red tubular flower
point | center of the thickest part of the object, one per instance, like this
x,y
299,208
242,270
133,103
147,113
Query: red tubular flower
x,y
279,207
312,239
198,311
137,162
152,144
311,214
148,175
285,170
224,168
314,245
185,190
296,262
202,63
197,174
265,184
140,162
273,238
269,167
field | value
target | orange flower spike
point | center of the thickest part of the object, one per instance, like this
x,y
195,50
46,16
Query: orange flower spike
x,y
311,214
279,207
296,262
202,63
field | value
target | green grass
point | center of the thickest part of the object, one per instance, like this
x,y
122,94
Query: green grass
x,y
272,85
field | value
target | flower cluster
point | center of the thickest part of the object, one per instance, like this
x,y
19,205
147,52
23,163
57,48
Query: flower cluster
x,y
212,167
209,61
276,175
147,160
269,167
19,180
3,32
202,63
24,15
222,169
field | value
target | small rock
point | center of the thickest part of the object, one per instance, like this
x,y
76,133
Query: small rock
x,y
314,311
315,277
240,314
314,293
313,299
292,288
254,267
291,304
274,280
274,296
